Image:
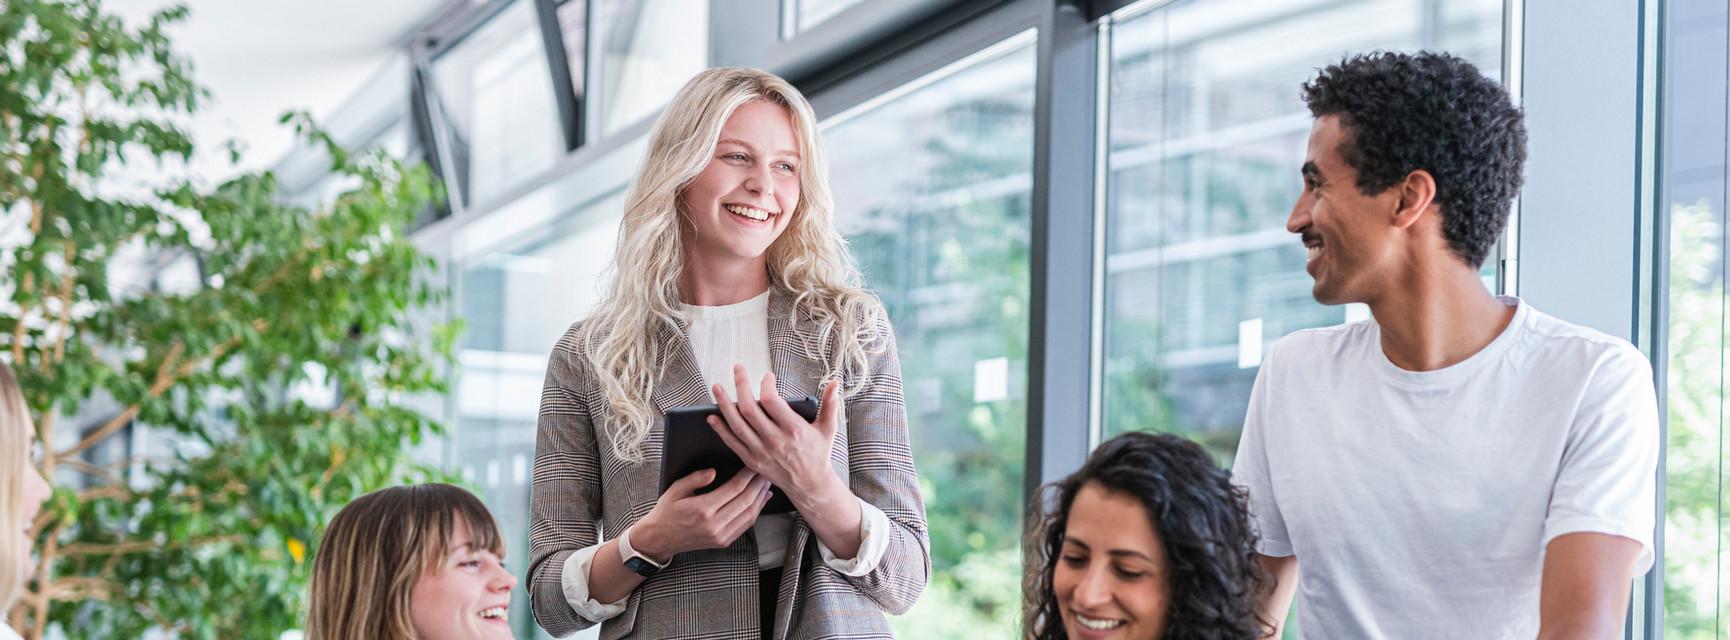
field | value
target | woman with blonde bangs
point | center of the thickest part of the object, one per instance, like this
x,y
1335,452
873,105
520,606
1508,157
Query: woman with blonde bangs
x,y
22,492
730,285
420,562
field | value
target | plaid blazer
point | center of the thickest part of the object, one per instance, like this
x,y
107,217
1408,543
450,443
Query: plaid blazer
x,y
578,484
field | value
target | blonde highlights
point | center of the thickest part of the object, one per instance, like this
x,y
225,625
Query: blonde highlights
x,y
809,260
377,548
15,427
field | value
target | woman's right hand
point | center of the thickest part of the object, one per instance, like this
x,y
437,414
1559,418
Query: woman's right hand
x,y
684,521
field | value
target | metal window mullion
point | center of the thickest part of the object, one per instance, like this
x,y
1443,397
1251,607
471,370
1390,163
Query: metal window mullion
x,y
1102,173
594,74
1513,59
1062,263
1653,243
428,128
570,103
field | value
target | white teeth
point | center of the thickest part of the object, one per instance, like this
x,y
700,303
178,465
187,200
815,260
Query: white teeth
x,y
1097,625
749,212
495,612
1313,252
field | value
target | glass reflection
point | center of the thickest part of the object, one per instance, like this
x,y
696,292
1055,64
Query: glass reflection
x,y
516,303
493,94
810,13
1206,135
1694,181
932,189
650,48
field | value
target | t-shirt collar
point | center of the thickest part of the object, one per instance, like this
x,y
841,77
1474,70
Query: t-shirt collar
x,y
1459,371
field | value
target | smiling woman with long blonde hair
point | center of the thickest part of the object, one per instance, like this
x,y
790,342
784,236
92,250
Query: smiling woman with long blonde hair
x,y
730,285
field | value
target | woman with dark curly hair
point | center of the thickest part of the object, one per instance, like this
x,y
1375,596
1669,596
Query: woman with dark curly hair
x,y
1148,540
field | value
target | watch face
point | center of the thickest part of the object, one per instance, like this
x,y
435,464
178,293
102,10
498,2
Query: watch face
x,y
641,567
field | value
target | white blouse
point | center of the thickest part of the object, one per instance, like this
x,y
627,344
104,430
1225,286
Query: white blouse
x,y
721,337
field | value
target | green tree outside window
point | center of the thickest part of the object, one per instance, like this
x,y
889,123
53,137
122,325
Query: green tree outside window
x,y
215,538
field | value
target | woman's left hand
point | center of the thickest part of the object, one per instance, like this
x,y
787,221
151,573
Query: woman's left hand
x,y
776,441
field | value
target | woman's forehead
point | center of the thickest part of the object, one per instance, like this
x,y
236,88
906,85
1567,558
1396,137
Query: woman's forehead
x,y
763,126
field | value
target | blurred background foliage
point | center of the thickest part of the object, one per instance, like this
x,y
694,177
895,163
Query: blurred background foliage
x,y
277,375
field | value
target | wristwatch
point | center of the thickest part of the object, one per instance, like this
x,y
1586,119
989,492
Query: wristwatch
x,y
637,562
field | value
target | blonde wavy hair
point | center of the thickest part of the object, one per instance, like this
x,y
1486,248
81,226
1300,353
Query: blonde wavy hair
x,y
809,261
15,427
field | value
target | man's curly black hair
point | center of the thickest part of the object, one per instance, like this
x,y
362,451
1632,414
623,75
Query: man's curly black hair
x,y
1432,111
1203,523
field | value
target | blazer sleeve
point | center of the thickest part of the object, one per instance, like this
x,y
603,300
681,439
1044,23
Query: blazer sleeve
x,y
881,472
565,502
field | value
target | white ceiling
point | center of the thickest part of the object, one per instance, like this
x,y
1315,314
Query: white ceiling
x,y
260,58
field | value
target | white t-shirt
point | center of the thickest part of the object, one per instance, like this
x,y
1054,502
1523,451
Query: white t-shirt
x,y
1419,504
720,337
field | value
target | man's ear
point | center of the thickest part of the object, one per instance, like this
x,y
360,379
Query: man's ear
x,y
1417,196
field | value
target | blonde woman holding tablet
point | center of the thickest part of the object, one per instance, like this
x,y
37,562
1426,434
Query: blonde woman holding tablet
x,y
730,286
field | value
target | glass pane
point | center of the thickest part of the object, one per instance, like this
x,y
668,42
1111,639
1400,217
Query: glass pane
x,y
495,95
1694,183
932,189
573,24
516,303
812,12
650,49
1206,135
396,140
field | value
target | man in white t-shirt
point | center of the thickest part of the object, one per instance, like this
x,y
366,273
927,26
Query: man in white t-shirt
x,y
1460,465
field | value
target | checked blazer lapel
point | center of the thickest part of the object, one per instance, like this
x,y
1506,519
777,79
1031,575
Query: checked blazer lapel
x,y
796,357
795,374
681,383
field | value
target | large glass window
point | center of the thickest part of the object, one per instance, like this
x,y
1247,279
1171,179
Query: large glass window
x,y
805,14
517,301
932,187
650,48
1695,175
1207,132
494,96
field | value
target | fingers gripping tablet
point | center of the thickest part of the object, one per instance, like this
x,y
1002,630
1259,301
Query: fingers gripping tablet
x,y
691,445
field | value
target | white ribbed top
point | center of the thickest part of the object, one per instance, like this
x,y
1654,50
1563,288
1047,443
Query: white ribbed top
x,y
739,334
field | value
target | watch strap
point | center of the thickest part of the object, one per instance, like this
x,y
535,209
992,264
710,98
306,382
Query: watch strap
x,y
637,562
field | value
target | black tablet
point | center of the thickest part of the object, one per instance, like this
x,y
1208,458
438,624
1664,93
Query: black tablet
x,y
690,445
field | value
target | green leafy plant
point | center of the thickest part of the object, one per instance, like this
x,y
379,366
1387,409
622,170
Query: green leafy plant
x,y
280,372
